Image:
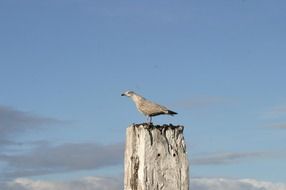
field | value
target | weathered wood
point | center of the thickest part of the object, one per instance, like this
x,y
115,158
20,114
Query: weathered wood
x,y
155,158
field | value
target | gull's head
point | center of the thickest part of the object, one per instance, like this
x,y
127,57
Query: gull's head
x,y
128,93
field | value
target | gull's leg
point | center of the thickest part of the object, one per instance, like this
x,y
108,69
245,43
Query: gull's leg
x,y
149,119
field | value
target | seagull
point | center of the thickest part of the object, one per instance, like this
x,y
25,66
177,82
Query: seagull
x,y
147,107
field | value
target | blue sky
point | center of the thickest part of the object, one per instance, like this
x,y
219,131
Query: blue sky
x,y
219,64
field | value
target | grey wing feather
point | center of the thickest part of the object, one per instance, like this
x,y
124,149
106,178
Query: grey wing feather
x,y
152,109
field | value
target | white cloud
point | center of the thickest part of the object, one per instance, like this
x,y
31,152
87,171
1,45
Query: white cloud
x,y
88,183
103,183
234,184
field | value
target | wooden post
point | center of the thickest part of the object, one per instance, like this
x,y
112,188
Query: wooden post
x,y
155,158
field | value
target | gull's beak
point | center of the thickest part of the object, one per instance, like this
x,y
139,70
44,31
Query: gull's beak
x,y
123,94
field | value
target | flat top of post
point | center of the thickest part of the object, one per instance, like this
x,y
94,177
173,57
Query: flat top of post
x,y
152,126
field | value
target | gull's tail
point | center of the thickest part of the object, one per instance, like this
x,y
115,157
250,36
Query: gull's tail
x,y
171,112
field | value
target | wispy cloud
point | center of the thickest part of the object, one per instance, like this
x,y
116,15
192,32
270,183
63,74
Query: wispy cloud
x,y
14,121
161,12
225,158
43,157
203,102
102,183
47,159
275,112
278,125
276,117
